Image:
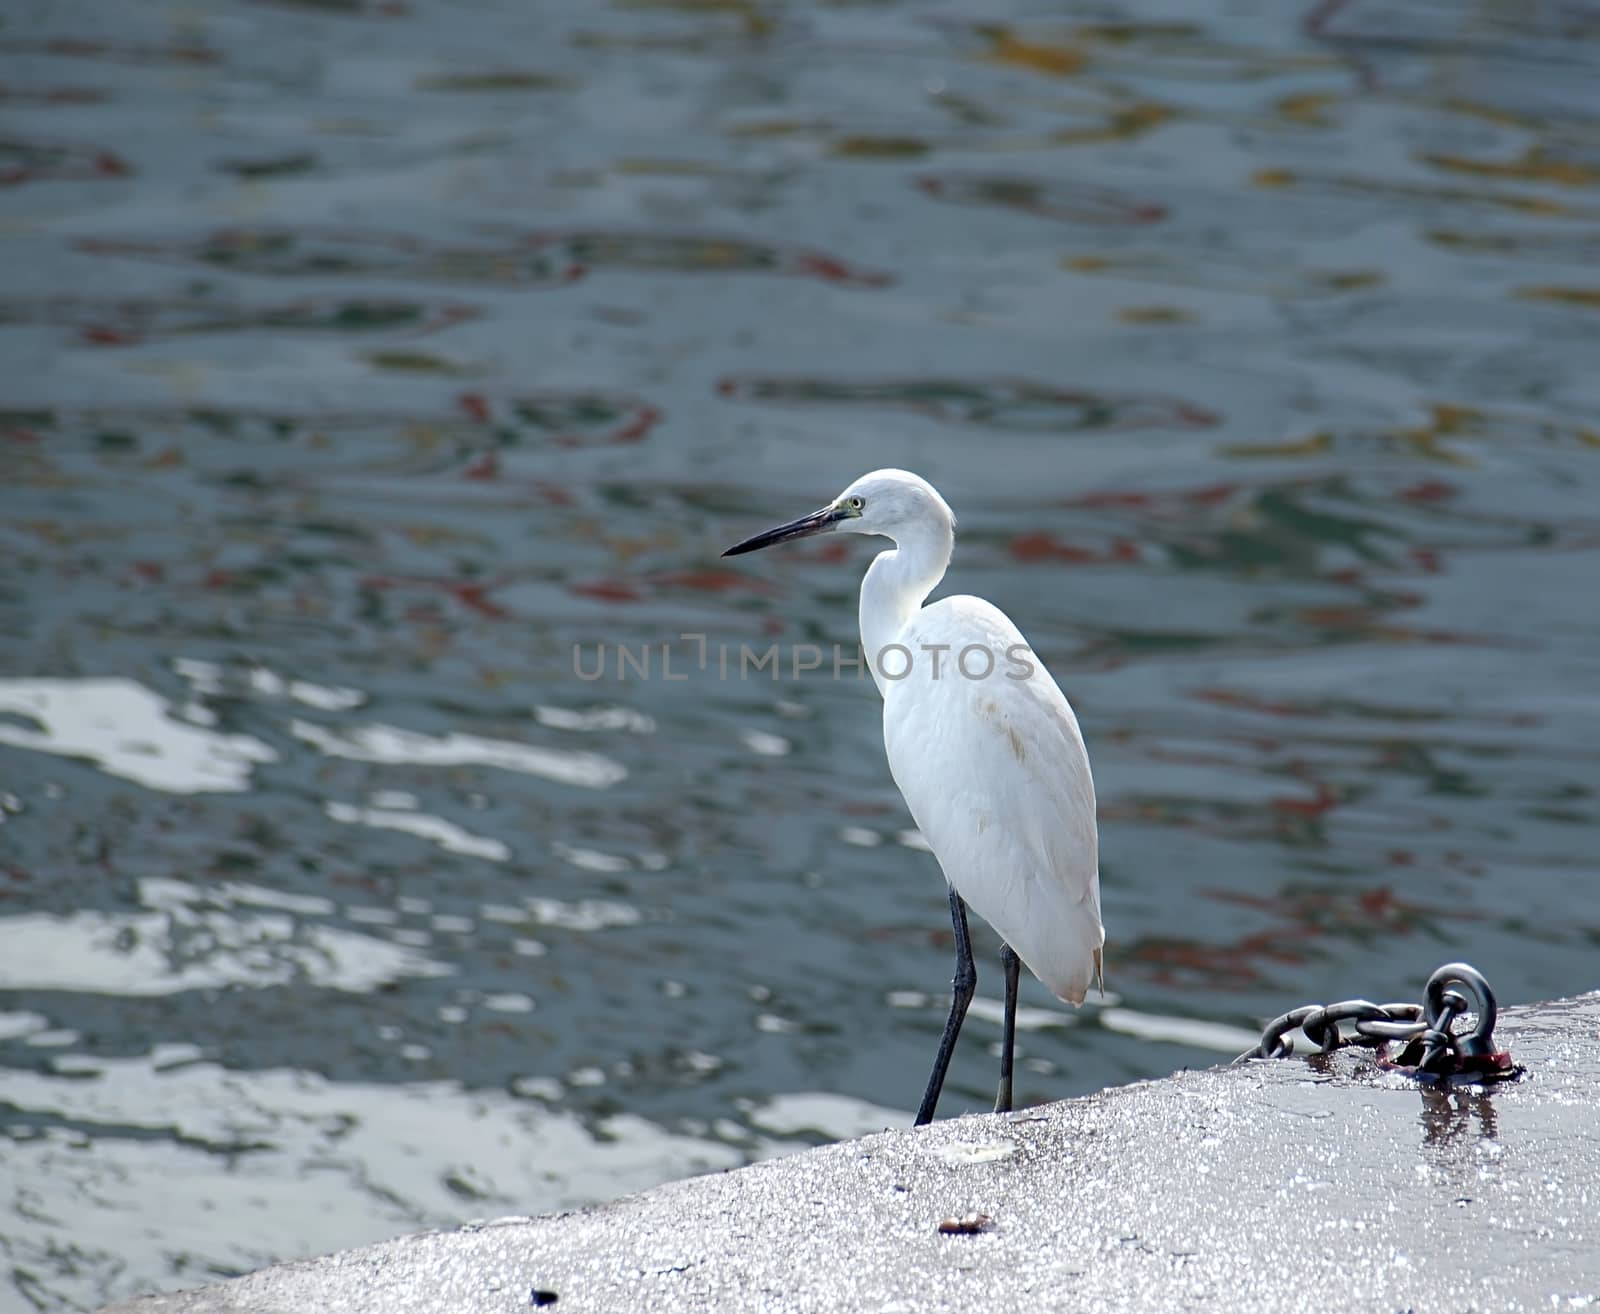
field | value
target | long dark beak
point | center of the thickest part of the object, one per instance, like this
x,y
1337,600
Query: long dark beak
x,y
818,522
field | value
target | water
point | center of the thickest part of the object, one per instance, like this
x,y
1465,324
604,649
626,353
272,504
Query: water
x,y
370,366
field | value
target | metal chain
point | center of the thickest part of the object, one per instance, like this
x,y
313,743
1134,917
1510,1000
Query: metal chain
x,y
1432,1050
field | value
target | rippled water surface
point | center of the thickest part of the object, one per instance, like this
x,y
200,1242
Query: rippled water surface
x,y
366,362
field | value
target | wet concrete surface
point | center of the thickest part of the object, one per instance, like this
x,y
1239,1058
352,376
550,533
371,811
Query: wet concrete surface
x,y
1320,1183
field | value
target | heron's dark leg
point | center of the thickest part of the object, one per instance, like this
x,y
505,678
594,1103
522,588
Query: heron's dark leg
x,y
961,987
1008,1034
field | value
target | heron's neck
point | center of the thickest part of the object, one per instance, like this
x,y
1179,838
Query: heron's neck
x,y
896,585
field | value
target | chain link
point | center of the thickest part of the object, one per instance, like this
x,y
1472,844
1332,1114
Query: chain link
x,y
1432,1049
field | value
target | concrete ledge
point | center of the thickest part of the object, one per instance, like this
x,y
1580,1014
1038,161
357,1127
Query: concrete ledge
x,y
1297,1184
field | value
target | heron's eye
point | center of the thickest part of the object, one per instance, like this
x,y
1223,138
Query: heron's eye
x,y
855,504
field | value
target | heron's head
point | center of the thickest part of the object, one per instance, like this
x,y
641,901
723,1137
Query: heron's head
x,y
893,503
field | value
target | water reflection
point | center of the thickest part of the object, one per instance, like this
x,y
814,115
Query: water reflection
x,y
314,1160
534,260
1045,198
1190,1032
1453,1115
128,323
199,939
446,834
330,434
44,162
1004,404
387,743
1251,273
129,732
1461,1148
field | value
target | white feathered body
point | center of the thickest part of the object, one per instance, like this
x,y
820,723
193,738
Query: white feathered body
x,y
997,778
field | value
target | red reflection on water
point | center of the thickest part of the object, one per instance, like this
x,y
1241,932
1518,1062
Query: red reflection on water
x,y
83,48
1304,917
1292,822
1043,198
836,271
475,405
1175,962
693,253
470,594
1429,490
710,581
1163,503
25,162
713,581
636,429
1324,911
608,590
1045,547
572,419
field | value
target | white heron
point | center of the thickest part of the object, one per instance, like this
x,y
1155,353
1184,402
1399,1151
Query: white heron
x,y
984,747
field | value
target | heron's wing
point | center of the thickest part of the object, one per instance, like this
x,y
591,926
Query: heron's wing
x,y
997,779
